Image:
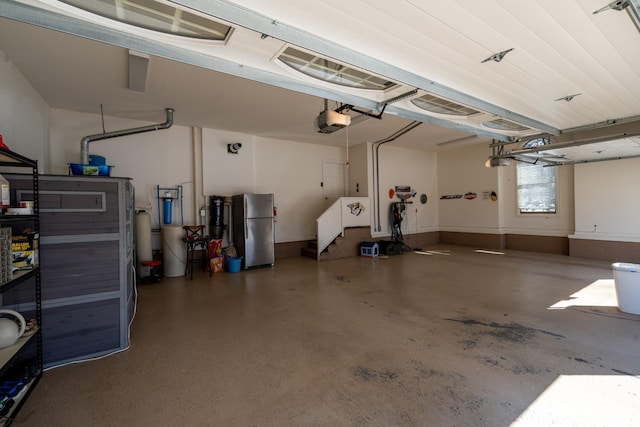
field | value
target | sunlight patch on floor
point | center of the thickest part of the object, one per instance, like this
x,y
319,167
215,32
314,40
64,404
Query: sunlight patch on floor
x,y
585,400
601,293
485,251
433,252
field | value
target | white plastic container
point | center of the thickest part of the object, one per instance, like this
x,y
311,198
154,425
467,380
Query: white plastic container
x,y
174,251
627,281
5,194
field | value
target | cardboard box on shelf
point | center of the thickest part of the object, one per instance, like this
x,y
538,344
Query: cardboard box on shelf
x,y
6,261
25,251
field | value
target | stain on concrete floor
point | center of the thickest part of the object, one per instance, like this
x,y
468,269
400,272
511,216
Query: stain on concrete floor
x,y
512,331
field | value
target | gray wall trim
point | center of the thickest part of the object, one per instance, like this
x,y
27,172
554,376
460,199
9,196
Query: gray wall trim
x,y
63,302
102,194
79,238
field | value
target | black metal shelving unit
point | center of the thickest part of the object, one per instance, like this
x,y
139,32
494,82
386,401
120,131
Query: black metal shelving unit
x,y
21,365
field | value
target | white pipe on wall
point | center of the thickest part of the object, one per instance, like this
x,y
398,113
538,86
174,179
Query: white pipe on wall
x,y
198,181
84,143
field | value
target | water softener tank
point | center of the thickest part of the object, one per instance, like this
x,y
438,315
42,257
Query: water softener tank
x,y
144,250
168,208
216,223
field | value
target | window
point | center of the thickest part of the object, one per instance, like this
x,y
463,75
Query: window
x,y
536,188
156,15
333,72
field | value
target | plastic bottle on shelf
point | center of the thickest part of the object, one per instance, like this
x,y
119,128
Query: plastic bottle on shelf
x,y
5,199
2,144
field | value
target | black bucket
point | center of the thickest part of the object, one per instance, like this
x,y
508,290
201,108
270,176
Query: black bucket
x,y
216,223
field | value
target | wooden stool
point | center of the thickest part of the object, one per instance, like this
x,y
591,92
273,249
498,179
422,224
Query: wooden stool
x,y
196,240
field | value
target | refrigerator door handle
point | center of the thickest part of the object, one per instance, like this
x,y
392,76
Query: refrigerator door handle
x,y
246,225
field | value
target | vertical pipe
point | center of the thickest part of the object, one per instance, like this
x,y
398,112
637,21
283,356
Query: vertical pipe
x,y
375,149
198,181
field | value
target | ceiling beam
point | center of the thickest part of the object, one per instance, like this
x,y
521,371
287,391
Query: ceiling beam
x,y
246,18
575,139
634,12
58,22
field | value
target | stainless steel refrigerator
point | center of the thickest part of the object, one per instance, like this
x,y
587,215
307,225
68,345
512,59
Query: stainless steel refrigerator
x,y
253,229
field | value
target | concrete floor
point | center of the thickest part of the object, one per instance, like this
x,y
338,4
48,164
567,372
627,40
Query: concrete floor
x,y
448,338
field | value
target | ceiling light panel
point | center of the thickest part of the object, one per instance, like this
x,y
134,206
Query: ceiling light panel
x,y
426,52
505,125
439,105
331,71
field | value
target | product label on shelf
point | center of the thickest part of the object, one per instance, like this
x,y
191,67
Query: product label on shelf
x,y
5,199
25,251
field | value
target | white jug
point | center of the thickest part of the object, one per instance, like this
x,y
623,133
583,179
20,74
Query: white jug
x,y
9,329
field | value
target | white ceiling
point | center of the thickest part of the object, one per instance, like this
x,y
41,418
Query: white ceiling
x,y
560,48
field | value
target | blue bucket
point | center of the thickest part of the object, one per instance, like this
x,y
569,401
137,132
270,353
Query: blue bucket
x,y
95,170
95,160
234,264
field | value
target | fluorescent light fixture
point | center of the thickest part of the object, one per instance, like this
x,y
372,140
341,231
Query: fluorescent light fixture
x,y
138,71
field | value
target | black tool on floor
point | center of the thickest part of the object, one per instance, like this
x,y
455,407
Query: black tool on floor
x,y
396,212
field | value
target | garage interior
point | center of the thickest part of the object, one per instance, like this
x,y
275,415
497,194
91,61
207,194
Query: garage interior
x,y
458,337
493,316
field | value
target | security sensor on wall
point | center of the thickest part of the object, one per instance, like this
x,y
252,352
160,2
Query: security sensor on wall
x,y
234,148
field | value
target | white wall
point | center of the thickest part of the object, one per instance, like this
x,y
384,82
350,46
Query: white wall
x,y
293,171
559,224
404,167
290,170
24,116
359,170
161,158
462,171
607,200
226,174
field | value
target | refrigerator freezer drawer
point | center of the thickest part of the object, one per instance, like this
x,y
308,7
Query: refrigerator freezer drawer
x,y
259,242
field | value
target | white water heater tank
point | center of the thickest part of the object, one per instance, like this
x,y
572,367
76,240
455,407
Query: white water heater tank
x,y
144,250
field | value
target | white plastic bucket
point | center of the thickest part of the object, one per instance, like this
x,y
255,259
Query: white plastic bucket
x,y
174,251
627,281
